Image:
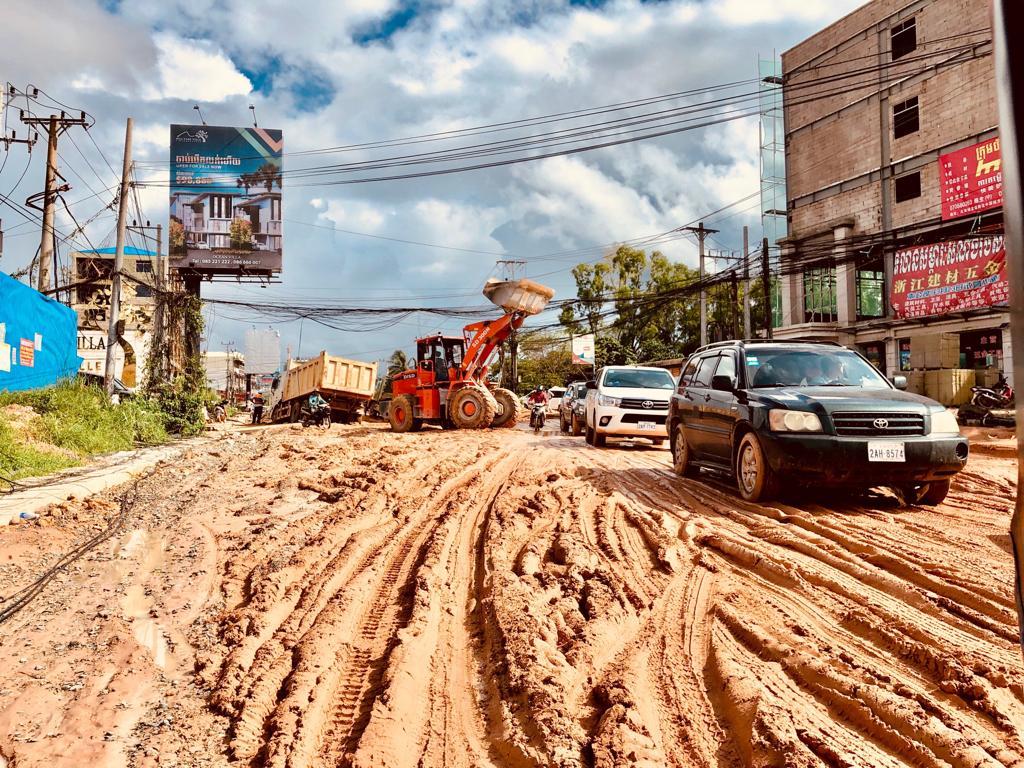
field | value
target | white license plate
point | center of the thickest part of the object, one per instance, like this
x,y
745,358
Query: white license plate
x,y
885,450
647,426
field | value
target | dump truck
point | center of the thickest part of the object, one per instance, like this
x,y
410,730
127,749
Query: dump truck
x,y
346,385
449,385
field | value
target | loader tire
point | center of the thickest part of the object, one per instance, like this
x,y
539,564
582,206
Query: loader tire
x,y
472,407
508,408
401,414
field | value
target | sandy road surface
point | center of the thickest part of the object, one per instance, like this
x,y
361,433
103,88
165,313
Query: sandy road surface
x,y
285,598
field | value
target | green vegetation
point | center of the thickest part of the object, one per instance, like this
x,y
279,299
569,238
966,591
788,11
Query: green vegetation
x,y
72,422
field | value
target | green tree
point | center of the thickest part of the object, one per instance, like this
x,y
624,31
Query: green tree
x,y
268,175
241,234
546,358
398,362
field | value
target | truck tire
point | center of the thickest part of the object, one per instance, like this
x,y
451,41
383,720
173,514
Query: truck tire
x,y
402,414
471,407
508,408
295,413
577,425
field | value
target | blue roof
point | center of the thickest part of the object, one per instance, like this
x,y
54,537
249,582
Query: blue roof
x,y
129,250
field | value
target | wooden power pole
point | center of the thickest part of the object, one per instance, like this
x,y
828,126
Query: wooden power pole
x,y
766,279
115,277
746,283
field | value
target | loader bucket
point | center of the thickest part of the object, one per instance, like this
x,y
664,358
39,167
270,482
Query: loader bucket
x,y
523,296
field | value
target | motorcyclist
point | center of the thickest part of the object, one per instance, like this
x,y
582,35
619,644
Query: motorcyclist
x,y
539,396
316,401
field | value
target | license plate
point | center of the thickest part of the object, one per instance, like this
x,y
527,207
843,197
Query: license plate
x,y
885,450
647,426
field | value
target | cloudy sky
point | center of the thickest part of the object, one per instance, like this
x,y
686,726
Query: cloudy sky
x,y
342,72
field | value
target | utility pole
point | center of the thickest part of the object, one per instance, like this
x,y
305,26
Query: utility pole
x,y
767,282
746,283
508,268
229,383
701,233
159,346
734,286
115,278
54,125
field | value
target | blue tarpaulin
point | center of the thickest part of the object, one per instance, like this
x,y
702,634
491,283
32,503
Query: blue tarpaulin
x,y
38,338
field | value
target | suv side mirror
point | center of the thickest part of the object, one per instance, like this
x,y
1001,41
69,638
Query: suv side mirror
x,y
900,382
591,384
723,383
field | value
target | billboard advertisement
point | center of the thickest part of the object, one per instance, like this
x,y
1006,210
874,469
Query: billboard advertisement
x,y
971,180
583,349
262,351
226,200
951,276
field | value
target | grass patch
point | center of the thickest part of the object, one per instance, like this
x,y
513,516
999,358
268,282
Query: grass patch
x,y
79,422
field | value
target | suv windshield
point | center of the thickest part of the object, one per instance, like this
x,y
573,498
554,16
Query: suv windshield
x,y
642,379
810,368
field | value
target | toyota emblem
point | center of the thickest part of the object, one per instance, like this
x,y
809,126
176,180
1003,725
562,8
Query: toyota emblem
x,y
647,404
881,423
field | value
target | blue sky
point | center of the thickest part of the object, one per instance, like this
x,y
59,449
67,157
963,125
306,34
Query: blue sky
x,y
340,73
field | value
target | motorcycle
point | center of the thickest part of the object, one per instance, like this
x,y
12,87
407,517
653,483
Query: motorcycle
x,y
537,414
320,416
999,396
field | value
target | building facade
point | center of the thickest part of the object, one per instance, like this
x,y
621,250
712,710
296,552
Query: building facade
x,y
92,272
894,187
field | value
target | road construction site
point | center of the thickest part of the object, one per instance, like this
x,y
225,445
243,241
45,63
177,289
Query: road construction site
x,y
357,597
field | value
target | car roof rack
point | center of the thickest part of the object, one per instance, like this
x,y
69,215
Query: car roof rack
x,y
735,342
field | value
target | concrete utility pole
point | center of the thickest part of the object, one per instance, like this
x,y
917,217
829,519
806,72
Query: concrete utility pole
x,y
766,279
701,233
746,283
115,278
54,125
46,245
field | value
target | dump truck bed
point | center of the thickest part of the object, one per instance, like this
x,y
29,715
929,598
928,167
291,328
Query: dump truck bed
x,y
333,376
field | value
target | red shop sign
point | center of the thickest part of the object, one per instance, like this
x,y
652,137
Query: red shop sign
x,y
952,276
971,180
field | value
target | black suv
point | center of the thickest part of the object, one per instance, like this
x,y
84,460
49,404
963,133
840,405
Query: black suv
x,y
815,414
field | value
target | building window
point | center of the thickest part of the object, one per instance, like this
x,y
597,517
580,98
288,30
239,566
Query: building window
x,y
870,291
820,295
904,39
143,291
220,206
905,118
908,187
143,266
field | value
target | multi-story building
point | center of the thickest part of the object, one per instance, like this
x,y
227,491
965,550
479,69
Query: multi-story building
x,y
207,218
92,272
894,185
225,373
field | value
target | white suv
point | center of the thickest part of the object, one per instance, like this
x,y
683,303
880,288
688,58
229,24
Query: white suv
x,y
628,401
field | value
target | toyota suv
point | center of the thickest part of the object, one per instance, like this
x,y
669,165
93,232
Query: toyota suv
x,y
628,401
811,414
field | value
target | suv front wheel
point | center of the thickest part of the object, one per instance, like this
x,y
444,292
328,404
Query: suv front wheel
x,y
754,478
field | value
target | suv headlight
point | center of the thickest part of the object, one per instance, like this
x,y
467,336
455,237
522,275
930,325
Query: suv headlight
x,y
944,422
605,400
782,420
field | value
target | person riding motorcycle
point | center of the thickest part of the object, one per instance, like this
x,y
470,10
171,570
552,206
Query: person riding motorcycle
x,y
538,402
318,407
539,396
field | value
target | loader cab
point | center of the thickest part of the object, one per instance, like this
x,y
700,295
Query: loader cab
x,y
438,359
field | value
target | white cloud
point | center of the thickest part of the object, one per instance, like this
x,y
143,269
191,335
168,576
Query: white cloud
x,y
191,69
357,215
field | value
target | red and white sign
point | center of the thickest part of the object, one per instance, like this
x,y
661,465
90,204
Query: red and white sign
x,y
971,180
27,357
952,276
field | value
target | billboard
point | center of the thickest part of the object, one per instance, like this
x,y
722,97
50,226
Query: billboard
x,y
226,200
951,276
971,180
583,349
262,351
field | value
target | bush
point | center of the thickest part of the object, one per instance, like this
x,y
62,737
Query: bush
x,y
182,407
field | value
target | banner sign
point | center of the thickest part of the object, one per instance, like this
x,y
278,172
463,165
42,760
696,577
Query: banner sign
x,y
971,180
226,200
952,276
262,351
583,349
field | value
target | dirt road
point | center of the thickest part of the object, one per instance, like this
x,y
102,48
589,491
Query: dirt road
x,y
285,598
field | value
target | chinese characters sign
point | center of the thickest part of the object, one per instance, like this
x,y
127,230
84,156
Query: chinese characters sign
x,y
971,180
226,199
952,276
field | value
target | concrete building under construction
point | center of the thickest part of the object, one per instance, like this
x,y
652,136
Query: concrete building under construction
x,y
894,189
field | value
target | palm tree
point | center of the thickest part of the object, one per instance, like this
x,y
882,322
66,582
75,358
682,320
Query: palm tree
x,y
398,362
268,174
245,181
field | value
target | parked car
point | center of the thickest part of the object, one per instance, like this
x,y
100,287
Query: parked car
x,y
812,414
628,401
571,409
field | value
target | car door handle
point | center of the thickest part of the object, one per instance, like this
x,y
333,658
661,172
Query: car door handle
x,y
687,395
707,398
